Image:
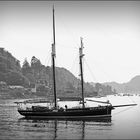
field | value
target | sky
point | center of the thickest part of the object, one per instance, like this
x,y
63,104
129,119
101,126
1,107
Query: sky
x,y
110,32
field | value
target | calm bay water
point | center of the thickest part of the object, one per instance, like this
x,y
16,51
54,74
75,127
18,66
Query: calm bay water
x,y
124,124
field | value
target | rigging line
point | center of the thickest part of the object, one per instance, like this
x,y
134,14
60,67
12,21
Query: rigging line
x,y
66,29
103,71
48,57
92,74
94,78
73,64
131,99
74,60
65,46
123,110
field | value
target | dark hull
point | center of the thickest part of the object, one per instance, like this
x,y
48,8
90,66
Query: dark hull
x,y
94,112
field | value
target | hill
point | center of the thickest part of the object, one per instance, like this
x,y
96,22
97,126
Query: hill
x,y
34,74
10,69
132,86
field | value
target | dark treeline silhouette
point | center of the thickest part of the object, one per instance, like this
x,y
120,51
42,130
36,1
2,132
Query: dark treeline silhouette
x,y
33,73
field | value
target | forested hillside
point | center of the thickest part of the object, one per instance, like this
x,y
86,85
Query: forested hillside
x,y
10,69
34,74
132,86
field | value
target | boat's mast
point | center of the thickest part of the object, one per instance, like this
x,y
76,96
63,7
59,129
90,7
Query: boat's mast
x,y
81,70
53,61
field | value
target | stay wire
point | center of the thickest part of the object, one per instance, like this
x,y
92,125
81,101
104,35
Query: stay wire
x,y
92,74
94,78
66,29
122,110
101,69
73,64
131,99
48,57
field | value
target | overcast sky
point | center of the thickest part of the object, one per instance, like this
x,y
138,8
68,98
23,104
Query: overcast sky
x,y
110,31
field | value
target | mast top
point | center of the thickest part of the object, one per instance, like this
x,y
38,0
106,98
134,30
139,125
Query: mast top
x,y
81,48
53,44
53,8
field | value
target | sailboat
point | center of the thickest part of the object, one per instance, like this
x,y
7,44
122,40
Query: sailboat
x,y
53,111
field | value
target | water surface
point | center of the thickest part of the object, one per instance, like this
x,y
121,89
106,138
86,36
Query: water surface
x,y
124,124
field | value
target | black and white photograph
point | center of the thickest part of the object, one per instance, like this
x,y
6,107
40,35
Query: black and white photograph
x,y
69,69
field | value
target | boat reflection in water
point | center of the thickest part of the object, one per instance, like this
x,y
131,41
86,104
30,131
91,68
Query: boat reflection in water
x,y
65,128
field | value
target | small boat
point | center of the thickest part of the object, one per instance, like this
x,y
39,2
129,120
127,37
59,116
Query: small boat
x,y
51,110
